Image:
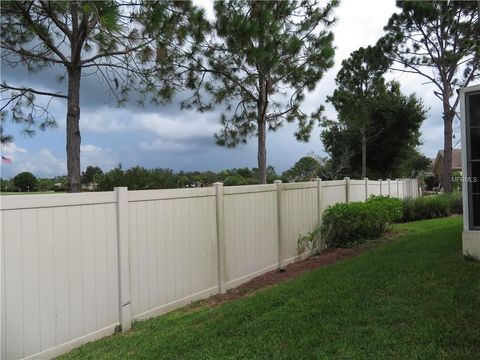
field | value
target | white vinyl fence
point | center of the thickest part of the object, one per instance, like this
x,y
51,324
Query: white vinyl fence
x,y
77,267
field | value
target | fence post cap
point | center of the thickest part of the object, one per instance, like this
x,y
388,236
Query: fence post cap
x,y
217,184
277,181
120,188
346,178
365,178
318,179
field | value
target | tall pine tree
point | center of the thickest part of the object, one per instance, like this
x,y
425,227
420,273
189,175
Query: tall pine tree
x,y
128,44
260,60
359,82
439,41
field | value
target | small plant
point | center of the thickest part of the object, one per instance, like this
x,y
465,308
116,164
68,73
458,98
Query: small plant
x,y
470,257
310,242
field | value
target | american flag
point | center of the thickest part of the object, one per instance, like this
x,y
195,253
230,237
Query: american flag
x,y
6,160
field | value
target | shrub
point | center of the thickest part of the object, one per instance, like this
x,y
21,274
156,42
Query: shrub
x,y
25,181
429,182
348,224
434,206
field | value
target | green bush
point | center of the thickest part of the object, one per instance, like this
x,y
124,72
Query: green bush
x,y
434,206
347,224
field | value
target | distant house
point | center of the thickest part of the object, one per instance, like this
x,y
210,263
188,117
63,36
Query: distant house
x,y
438,169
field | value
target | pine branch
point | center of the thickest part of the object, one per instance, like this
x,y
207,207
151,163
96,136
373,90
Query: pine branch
x,y
33,91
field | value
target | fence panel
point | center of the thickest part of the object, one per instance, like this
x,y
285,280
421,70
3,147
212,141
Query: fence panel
x,y
373,188
394,188
333,192
401,189
59,285
385,190
172,249
59,253
357,190
300,216
250,232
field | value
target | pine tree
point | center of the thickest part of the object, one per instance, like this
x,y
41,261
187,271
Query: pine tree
x,y
440,41
129,44
260,60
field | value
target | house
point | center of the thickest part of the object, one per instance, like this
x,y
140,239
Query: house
x,y
438,169
470,121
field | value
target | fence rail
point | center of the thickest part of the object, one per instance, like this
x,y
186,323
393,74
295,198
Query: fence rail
x,y
76,267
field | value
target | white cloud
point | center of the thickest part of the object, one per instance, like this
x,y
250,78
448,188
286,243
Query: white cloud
x,y
105,120
92,155
167,128
114,135
43,163
177,128
90,148
165,146
12,148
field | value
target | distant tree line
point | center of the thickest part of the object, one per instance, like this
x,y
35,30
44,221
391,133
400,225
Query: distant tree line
x,y
139,178
255,62
136,178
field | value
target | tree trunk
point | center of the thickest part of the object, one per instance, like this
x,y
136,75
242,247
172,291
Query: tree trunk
x,y
73,129
447,147
364,155
262,104
262,152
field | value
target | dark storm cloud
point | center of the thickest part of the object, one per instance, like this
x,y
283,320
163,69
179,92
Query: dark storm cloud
x,y
165,136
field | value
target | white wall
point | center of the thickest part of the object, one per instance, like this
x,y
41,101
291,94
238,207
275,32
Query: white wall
x,y
60,272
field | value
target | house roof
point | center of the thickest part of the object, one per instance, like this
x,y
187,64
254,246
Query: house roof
x,y
456,159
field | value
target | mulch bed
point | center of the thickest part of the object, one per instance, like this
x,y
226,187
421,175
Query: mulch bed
x,y
292,271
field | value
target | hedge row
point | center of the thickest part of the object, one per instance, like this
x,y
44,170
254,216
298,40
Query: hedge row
x,y
344,225
433,206
347,224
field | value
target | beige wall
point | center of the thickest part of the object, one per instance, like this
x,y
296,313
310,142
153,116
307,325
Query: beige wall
x,y
62,281
471,244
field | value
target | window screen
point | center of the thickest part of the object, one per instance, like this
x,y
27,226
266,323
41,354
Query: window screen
x,y
472,102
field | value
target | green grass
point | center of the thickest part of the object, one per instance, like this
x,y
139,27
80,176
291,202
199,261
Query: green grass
x,y
413,298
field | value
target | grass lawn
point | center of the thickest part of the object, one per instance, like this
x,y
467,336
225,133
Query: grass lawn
x,y
413,298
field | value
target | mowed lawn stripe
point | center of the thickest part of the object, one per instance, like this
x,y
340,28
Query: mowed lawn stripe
x,y
416,297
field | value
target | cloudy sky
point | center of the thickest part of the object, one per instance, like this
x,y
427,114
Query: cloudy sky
x,y
170,138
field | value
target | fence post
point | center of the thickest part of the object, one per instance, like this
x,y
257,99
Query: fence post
x,y
389,189
347,189
398,189
220,220
125,311
319,207
381,186
366,188
278,183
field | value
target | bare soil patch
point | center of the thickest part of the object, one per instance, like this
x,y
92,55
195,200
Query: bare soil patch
x,y
292,271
